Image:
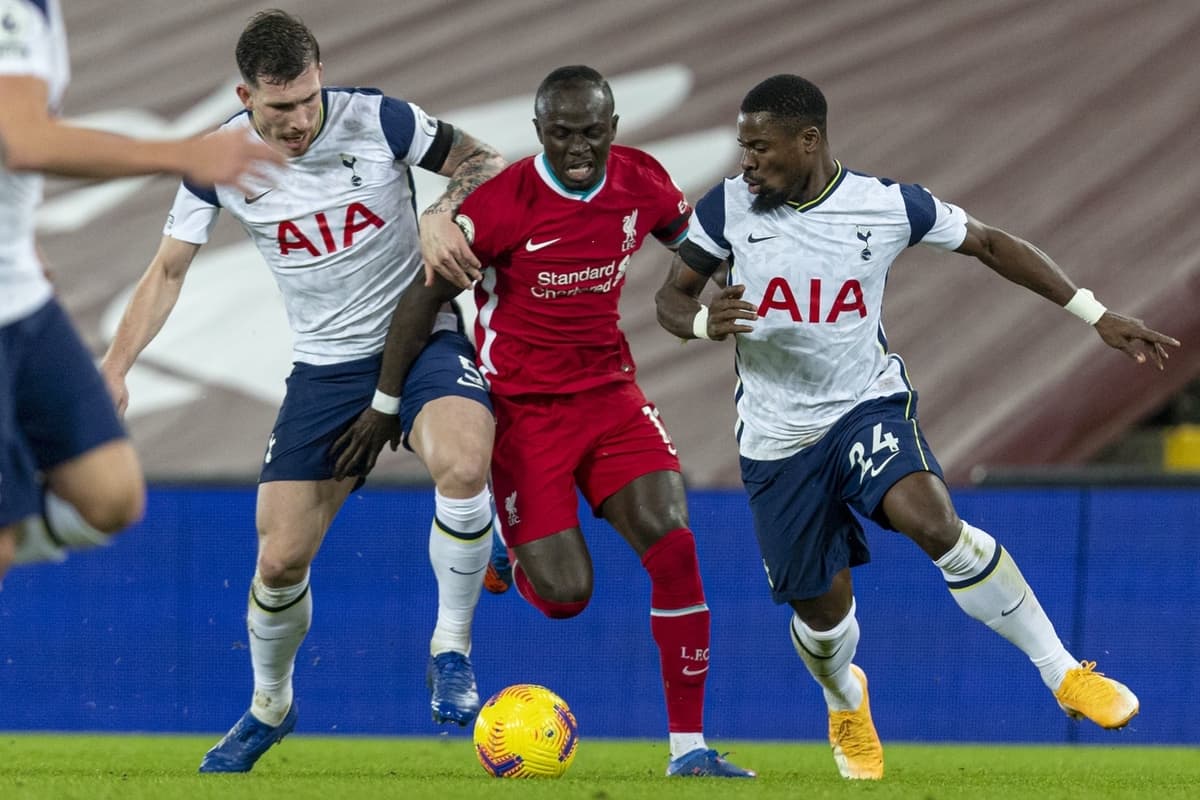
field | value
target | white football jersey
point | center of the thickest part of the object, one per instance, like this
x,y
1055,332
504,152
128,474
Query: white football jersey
x,y
817,272
33,42
338,229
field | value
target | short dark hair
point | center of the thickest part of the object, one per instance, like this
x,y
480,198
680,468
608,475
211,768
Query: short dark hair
x,y
570,76
790,98
276,46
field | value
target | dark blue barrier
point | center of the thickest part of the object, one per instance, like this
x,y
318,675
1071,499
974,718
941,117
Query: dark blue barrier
x,y
149,635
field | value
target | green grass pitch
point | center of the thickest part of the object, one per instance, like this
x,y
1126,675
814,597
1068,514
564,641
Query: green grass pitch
x,y
132,767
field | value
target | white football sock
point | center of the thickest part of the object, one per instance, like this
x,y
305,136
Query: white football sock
x,y
986,583
828,655
684,743
68,526
34,545
460,543
278,620
59,528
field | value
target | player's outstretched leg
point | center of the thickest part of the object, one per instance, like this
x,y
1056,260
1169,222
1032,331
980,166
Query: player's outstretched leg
x,y
1085,693
246,742
453,695
498,577
987,584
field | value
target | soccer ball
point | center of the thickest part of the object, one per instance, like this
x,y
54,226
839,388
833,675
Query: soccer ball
x,y
526,731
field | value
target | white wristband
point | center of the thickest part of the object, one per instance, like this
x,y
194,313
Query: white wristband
x,y
1085,306
385,403
700,323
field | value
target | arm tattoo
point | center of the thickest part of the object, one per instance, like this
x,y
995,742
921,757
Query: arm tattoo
x,y
476,163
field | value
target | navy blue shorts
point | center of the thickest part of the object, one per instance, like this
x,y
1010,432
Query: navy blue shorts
x,y
322,401
54,406
802,504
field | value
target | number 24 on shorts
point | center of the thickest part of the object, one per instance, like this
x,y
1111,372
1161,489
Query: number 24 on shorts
x,y
881,442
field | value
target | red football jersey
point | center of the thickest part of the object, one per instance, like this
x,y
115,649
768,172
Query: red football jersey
x,y
555,262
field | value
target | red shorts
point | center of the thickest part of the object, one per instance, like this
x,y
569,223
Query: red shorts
x,y
599,440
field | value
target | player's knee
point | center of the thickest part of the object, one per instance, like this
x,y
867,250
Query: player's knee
x,y
115,510
465,476
935,533
559,598
567,592
277,570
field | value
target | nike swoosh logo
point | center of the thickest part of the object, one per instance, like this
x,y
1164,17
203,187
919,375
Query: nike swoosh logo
x,y
690,671
752,239
876,470
533,248
472,572
251,200
1018,605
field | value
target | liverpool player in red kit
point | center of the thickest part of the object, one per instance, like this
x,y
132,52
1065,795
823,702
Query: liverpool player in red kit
x,y
554,234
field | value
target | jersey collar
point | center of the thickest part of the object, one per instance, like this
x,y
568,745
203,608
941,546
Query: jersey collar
x,y
551,180
838,173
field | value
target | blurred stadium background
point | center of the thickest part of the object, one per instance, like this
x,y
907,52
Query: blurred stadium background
x,y
1070,124
1066,123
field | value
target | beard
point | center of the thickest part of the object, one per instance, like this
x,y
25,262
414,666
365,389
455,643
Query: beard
x,y
768,201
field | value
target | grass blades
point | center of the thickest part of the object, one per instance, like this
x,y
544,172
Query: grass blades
x,y
133,767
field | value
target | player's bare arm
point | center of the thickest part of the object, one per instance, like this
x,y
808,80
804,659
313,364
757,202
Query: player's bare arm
x,y
1025,264
469,163
36,141
357,449
678,304
153,299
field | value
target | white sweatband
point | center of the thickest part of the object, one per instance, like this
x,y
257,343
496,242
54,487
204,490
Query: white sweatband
x,y
1085,306
700,323
385,403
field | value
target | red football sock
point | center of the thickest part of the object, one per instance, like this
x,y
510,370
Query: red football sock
x,y
679,621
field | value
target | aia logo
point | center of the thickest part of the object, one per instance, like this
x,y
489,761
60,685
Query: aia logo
x,y
291,235
780,297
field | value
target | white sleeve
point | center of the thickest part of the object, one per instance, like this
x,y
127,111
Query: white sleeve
x,y
191,219
707,227
949,228
424,131
25,40
408,129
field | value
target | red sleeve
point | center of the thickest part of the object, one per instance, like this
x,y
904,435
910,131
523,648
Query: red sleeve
x,y
671,225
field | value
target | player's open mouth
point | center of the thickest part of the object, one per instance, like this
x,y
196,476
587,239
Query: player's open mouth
x,y
580,172
754,186
295,141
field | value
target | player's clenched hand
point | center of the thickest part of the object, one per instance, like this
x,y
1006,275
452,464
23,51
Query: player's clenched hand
x,y
727,311
446,252
1132,337
231,158
357,448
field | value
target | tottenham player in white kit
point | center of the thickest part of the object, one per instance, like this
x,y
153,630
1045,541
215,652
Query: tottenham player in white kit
x,y
339,231
827,417
68,474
